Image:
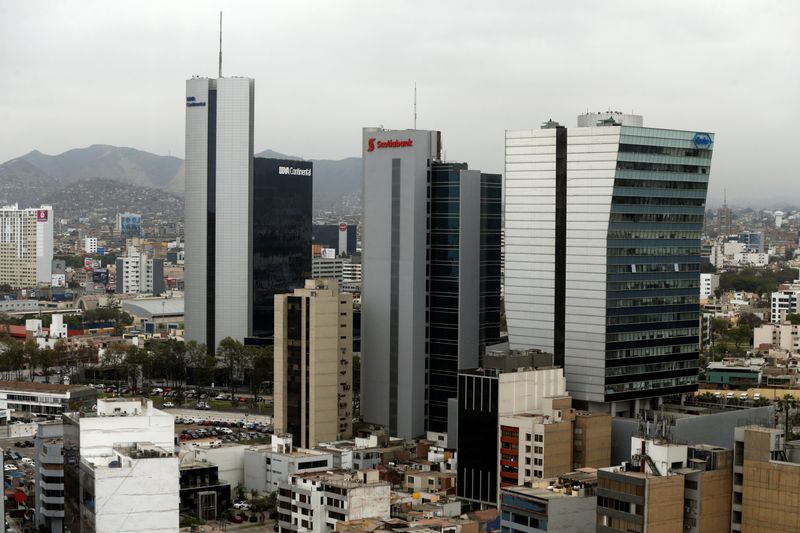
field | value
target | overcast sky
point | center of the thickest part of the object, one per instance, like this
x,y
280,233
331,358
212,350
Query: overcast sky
x,y
75,73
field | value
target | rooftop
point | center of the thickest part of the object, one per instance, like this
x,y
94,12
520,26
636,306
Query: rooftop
x,y
53,388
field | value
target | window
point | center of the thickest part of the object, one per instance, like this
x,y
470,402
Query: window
x,y
539,438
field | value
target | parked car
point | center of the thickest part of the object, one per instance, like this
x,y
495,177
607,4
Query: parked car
x,y
743,396
9,467
203,406
729,396
241,505
757,396
168,405
157,390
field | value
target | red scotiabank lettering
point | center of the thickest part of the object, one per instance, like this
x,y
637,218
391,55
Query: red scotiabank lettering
x,y
395,144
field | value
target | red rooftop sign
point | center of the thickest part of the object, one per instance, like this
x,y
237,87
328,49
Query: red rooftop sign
x,y
371,144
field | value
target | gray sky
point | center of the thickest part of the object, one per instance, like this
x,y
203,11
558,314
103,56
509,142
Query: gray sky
x,y
76,73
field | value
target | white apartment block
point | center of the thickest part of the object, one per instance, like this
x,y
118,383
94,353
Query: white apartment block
x,y
265,466
327,268
26,245
314,503
90,245
708,284
784,302
49,477
121,471
138,274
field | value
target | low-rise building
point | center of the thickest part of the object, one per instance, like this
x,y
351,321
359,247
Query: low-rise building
x,y
784,337
202,493
25,398
732,373
666,487
708,284
565,504
316,502
121,472
267,465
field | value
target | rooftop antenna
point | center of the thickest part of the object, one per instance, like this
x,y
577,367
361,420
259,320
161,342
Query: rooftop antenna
x,y
220,44
725,197
415,105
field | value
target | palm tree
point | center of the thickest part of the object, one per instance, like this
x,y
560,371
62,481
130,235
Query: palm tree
x,y
786,404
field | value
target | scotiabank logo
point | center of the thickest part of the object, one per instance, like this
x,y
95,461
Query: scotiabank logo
x,y
372,142
41,215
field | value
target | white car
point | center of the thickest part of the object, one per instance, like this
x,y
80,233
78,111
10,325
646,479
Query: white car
x,y
221,397
241,505
9,467
28,461
743,396
168,405
757,396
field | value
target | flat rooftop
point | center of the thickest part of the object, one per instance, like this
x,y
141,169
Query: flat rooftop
x,y
53,388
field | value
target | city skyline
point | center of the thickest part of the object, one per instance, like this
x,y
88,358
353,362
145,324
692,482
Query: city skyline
x,y
717,71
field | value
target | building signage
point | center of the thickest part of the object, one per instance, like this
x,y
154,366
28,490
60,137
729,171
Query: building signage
x,y
328,253
41,215
342,227
191,101
373,143
702,140
292,171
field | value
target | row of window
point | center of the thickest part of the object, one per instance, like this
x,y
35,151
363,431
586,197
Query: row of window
x,y
655,200
626,336
640,385
652,367
653,300
657,217
648,284
664,150
651,351
652,317
661,184
653,267
662,167
654,251
652,234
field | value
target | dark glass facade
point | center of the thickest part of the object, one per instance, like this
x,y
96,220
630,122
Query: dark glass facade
x,y
444,281
653,260
477,436
282,213
327,236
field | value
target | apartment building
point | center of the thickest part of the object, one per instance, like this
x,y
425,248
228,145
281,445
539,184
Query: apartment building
x,y
784,302
314,503
49,486
313,363
784,337
26,245
267,465
137,273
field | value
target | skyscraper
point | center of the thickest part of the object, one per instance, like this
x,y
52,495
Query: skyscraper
x,y
219,185
428,300
282,212
26,246
602,262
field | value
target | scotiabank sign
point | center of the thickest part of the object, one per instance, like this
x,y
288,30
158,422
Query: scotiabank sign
x,y
41,215
373,143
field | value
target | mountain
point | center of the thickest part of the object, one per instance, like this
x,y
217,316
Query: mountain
x,y
334,180
22,183
112,162
29,179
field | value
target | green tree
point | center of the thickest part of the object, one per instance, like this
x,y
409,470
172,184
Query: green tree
x,y
793,318
259,364
231,353
750,320
201,362
741,335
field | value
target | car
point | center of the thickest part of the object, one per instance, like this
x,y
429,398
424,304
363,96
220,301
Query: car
x,y
9,467
167,405
729,396
15,456
19,444
27,461
717,395
743,396
241,505
157,390
757,396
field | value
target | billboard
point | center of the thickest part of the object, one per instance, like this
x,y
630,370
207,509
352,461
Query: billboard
x,y
328,253
41,215
100,275
91,264
58,280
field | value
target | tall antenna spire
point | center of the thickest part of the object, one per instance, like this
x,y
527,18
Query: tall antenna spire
x,y
415,105
220,44
725,196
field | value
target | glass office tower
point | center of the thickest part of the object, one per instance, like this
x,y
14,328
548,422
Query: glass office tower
x,y
282,212
603,230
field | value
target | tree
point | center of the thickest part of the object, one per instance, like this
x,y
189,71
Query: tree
x,y
741,335
259,361
750,320
786,404
202,364
793,318
231,353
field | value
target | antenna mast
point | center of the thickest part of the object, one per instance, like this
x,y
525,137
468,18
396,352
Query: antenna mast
x,y
415,105
220,44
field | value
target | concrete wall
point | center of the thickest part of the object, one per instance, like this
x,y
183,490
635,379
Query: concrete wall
x,y
572,515
716,429
229,459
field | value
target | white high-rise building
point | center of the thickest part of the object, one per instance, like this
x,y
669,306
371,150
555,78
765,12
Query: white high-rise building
x,y
219,185
26,246
602,264
137,273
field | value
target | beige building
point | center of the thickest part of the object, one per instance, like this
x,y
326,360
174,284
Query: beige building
x,y
26,246
766,481
313,363
666,488
591,443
